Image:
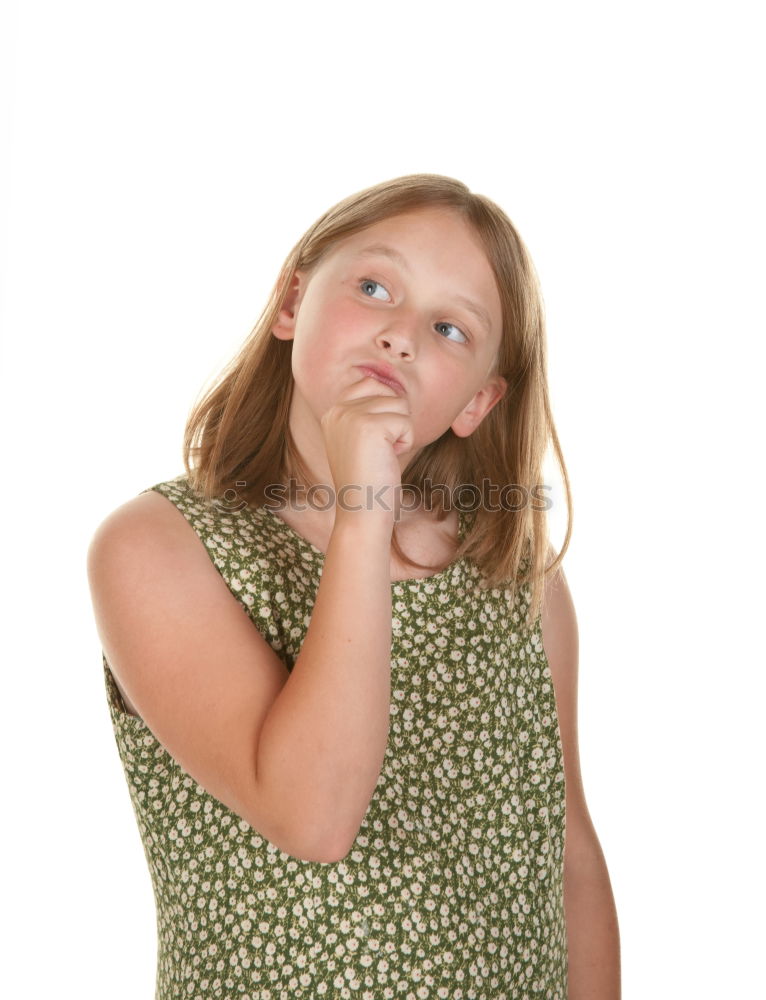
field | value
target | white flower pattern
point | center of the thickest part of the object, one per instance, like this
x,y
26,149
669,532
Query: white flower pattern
x,y
453,887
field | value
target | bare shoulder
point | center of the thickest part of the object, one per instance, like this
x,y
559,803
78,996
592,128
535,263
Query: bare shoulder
x,y
147,551
146,534
145,539
558,618
560,637
148,515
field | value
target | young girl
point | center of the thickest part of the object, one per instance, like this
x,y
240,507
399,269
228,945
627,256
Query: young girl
x,y
339,652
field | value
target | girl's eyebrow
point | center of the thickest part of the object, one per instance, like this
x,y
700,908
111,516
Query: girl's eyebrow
x,y
380,249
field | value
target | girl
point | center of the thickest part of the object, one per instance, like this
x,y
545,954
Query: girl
x,y
357,786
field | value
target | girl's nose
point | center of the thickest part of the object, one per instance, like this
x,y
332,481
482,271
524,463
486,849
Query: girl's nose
x,y
400,336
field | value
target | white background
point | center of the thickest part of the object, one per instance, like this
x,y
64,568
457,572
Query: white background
x,y
159,161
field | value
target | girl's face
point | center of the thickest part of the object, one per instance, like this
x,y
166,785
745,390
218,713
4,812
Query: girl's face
x,y
429,310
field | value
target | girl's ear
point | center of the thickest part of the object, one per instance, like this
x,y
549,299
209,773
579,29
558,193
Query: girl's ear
x,y
284,328
469,419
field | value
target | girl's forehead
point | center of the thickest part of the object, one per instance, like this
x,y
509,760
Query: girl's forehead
x,y
415,235
417,220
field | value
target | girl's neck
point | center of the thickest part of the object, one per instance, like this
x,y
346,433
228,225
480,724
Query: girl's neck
x,y
420,535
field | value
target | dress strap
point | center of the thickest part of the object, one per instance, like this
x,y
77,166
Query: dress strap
x,y
465,519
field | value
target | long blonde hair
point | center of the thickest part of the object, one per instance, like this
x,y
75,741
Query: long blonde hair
x,y
239,430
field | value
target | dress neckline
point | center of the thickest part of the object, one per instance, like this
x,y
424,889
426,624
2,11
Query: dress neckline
x,y
319,556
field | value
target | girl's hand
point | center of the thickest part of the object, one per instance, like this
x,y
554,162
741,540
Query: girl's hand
x,y
364,432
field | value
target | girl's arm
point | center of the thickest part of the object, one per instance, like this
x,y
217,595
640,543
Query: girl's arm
x,y
323,742
592,931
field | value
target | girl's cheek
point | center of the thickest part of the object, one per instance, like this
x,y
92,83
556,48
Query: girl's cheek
x,y
345,321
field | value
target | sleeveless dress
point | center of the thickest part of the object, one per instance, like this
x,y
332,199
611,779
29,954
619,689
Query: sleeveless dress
x,y
453,887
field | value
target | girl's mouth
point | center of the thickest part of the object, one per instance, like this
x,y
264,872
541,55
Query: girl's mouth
x,y
392,383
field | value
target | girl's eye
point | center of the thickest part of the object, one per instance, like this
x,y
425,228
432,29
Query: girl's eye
x,y
465,338
370,281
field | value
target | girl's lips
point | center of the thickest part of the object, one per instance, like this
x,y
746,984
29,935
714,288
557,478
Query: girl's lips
x,y
396,386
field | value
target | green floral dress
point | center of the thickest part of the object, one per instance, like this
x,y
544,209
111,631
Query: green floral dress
x,y
454,885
